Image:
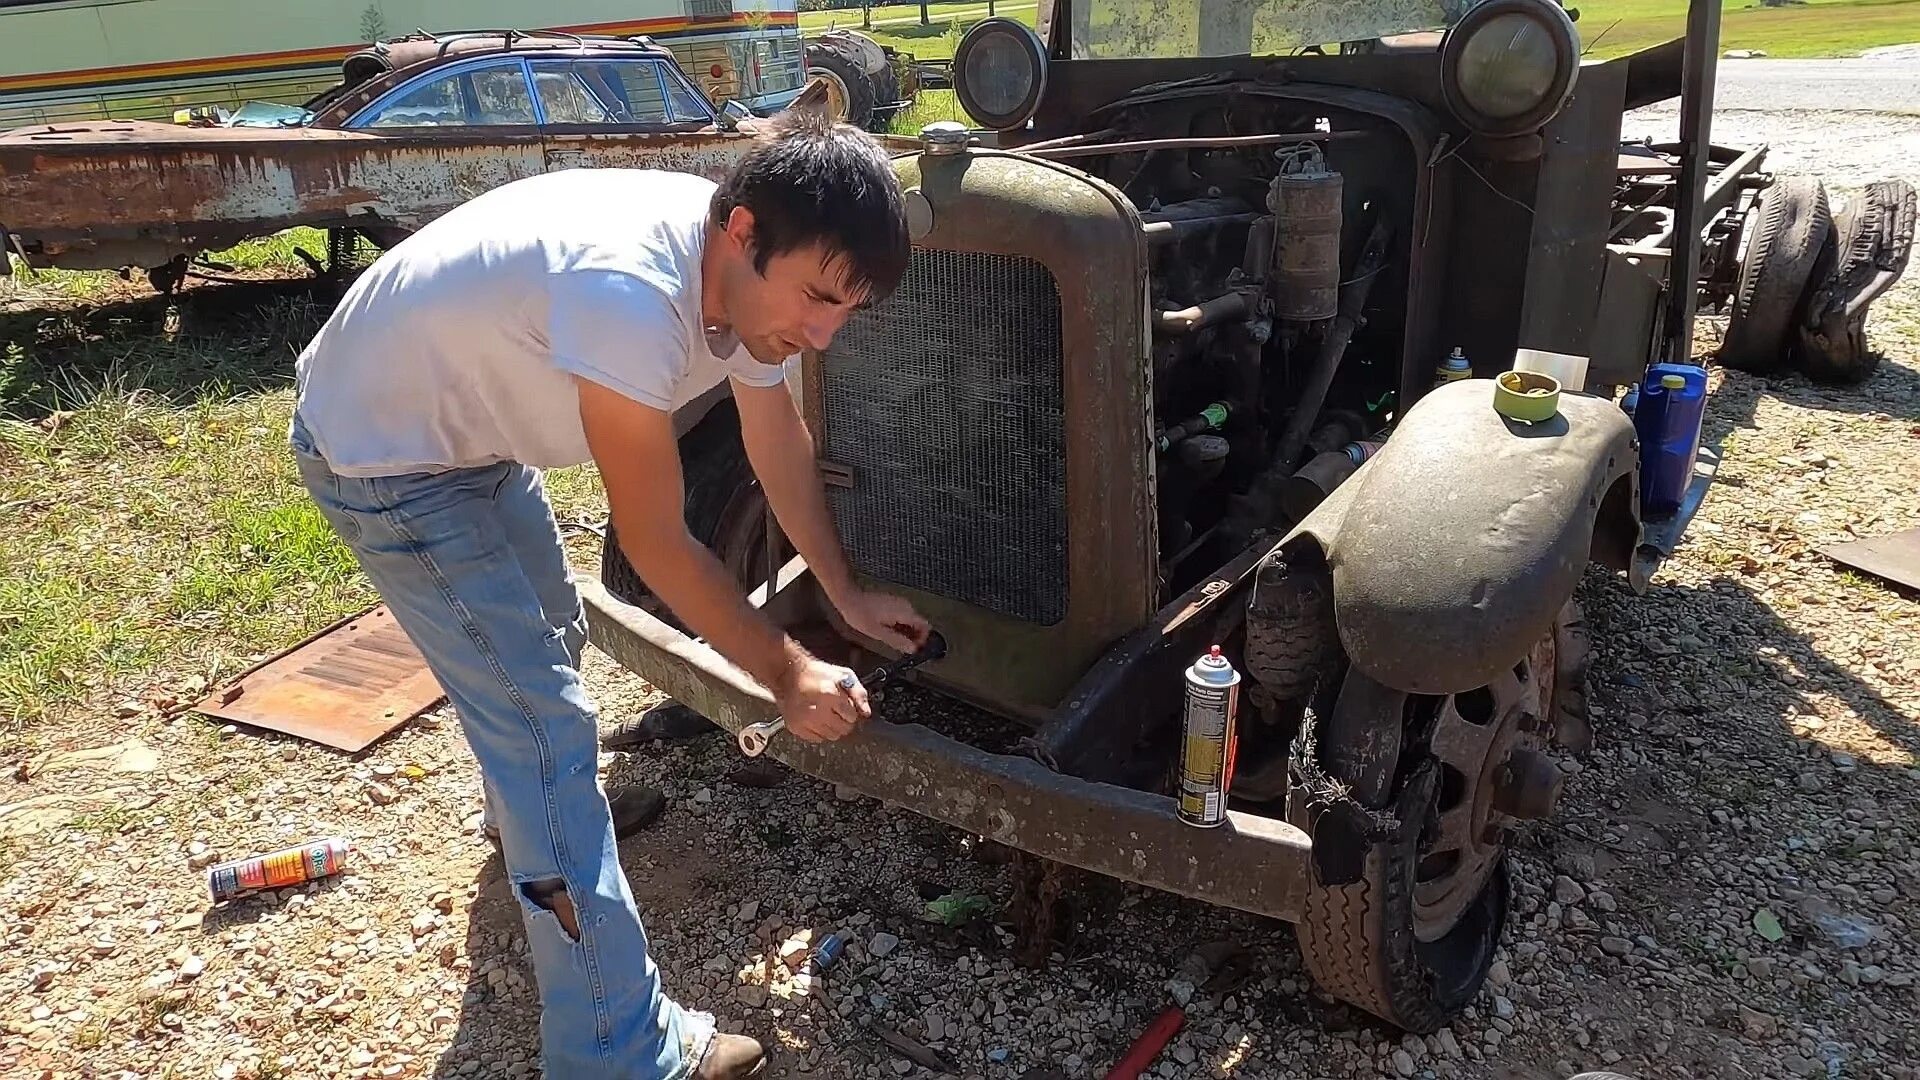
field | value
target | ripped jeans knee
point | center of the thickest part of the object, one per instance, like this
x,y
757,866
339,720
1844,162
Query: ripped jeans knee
x,y
550,895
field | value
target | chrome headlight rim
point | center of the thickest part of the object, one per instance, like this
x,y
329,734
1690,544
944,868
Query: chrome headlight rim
x,y
1030,48
1549,17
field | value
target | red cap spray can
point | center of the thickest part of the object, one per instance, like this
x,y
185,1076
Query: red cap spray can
x,y
278,869
1208,740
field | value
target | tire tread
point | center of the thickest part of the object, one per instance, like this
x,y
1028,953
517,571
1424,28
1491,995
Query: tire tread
x,y
1795,223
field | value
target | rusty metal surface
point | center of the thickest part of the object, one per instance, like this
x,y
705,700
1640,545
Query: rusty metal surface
x,y
345,687
1133,692
1895,557
72,187
86,188
1252,863
1090,239
1439,602
1566,257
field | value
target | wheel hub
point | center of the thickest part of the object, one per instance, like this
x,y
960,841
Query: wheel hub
x,y
837,95
1487,743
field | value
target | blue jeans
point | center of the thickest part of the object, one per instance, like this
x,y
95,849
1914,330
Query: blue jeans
x,y
471,565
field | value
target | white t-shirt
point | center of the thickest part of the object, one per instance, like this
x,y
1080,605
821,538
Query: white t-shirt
x,y
457,347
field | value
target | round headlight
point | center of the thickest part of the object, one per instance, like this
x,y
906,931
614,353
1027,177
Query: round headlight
x,y
1508,66
999,73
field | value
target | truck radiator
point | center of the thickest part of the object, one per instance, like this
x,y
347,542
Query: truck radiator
x,y
945,405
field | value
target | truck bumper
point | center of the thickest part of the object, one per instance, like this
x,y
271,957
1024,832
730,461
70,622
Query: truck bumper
x,y
1252,863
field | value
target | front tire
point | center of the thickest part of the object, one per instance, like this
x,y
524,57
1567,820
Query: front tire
x,y
1409,893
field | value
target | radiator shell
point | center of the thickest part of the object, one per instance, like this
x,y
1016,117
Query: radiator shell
x,y
986,431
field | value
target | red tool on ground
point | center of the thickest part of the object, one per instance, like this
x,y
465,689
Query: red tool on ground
x,y
1149,1044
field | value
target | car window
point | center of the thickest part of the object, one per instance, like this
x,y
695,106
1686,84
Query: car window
x,y
630,88
488,95
501,95
688,103
564,98
433,103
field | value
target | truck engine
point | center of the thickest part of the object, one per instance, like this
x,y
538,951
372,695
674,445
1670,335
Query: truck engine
x,y
1277,279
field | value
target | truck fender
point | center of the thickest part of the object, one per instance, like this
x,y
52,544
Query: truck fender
x,y
1453,547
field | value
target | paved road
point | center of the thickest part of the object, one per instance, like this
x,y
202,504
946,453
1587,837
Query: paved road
x,y
1860,85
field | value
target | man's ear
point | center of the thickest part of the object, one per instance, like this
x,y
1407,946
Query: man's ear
x,y
739,228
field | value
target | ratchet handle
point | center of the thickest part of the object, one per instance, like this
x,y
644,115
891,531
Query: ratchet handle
x,y
753,738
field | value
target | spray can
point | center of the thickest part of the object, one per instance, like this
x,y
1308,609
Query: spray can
x,y
823,956
278,869
1208,741
827,953
1454,368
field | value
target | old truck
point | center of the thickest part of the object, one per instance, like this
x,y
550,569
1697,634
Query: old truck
x,y
1162,376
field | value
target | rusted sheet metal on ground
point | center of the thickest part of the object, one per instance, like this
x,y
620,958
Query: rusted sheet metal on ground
x,y
1895,558
345,687
69,186
1252,863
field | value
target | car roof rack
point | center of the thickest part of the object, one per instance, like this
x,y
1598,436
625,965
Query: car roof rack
x,y
509,36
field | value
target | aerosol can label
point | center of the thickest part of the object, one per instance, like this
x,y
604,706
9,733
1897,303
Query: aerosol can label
x,y
1208,742
278,869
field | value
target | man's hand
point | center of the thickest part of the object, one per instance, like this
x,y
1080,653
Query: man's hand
x,y
822,702
781,451
886,618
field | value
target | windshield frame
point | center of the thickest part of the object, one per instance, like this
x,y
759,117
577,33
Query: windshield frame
x,y
1063,25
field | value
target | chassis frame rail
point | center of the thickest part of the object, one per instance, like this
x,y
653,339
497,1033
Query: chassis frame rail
x,y
1252,863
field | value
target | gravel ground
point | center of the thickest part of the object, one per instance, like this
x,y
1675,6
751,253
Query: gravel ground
x,y
1756,766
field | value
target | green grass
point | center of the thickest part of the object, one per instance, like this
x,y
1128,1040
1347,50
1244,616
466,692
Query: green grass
x,y
932,105
262,257
893,18
1813,29
1608,28
152,522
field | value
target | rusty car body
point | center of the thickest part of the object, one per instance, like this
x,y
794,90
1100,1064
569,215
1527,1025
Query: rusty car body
x,y
1161,376
115,194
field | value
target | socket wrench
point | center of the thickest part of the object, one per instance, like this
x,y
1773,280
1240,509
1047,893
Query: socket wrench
x,y
753,738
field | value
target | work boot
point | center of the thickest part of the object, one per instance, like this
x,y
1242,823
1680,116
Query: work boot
x,y
633,808
731,1056
668,721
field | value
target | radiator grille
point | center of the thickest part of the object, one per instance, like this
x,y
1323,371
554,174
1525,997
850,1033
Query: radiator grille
x,y
946,403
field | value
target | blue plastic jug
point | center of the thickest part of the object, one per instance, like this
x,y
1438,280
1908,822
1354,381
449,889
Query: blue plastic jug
x,y
1667,417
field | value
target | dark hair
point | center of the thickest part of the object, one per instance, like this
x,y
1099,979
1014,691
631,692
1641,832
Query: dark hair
x,y
811,180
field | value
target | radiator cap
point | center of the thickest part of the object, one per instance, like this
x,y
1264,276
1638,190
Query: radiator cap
x,y
945,137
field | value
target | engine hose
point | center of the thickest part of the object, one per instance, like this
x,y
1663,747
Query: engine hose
x,y
1353,298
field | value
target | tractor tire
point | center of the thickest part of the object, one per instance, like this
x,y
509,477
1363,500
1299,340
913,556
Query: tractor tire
x,y
885,88
1872,235
1794,221
1360,936
725,508
843,75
